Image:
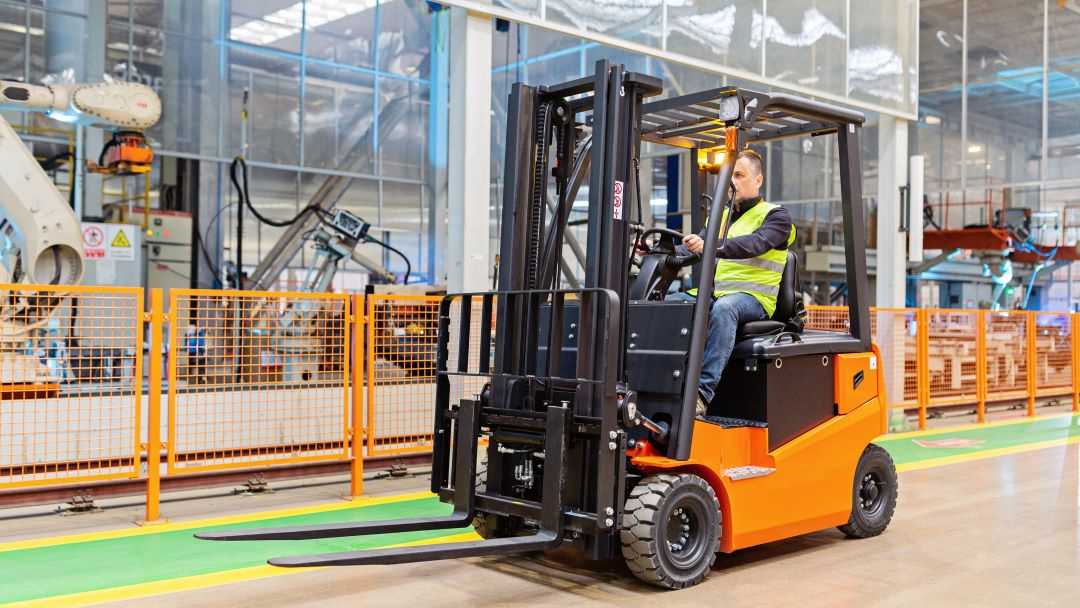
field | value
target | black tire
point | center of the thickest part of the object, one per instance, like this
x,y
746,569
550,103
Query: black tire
x,y
873,495
659,507
486,525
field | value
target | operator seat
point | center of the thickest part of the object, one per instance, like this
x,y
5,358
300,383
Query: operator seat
x,y
789,315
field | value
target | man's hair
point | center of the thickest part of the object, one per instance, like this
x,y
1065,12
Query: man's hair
x,y
755,160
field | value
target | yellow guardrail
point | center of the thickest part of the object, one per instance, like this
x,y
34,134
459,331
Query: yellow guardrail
x,y
936,357
248,380
70,384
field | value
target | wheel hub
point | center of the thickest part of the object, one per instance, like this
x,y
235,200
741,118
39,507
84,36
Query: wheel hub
x,y
871,492
681,527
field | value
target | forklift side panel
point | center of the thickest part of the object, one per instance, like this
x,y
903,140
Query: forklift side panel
x,y
792,394
856,380
809,490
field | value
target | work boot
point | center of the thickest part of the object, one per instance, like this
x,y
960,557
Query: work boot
x,y
702,405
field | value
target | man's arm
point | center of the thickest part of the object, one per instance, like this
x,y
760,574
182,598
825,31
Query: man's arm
x,y
772,234
683,250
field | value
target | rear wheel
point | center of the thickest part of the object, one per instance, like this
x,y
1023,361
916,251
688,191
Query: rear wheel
x,y
874,494
671,530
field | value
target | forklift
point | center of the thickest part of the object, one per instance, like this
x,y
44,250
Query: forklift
x,y
587,397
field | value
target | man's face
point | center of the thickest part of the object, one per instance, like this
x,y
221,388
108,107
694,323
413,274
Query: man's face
x,y
746,179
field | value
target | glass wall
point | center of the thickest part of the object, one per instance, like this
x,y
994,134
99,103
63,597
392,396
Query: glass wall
x,y
332,88
999,116
988,94
803,174
860,51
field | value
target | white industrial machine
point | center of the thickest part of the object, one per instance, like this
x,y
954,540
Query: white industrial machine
x,y
40,236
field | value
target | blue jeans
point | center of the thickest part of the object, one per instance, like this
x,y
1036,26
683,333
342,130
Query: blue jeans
x,y
728,312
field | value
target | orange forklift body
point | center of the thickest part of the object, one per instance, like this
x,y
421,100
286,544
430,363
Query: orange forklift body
x,y
804,485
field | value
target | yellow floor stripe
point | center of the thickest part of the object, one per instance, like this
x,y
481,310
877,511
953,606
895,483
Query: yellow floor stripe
x,y
215,521
258,572
202,581
1016,449
970,427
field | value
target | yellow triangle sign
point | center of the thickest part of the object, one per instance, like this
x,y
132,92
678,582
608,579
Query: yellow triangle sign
x,y
120,240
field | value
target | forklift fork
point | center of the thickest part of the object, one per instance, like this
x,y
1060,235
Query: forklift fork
x,y
548,537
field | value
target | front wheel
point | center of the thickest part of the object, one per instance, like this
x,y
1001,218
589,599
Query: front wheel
x,y
671,530
874,494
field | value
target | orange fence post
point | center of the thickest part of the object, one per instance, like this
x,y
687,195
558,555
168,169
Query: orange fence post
x,y
369,360
1032,360
356,487
980,365
153,405
922,364
1074,329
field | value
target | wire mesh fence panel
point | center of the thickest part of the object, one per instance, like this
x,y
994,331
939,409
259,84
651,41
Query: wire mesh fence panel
x,y
895,331
70,384
403,333
828,318
952,358
256,378
1006,355
1053,353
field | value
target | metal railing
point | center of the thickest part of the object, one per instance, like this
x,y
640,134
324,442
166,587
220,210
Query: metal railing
x,y
71,373
249,381
950,357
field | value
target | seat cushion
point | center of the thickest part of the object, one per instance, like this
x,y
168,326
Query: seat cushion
x,y
754,329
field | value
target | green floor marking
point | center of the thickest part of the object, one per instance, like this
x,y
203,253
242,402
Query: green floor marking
x,y
907,450
103,564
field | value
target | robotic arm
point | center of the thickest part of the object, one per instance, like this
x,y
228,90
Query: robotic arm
x,y
116,104
40,237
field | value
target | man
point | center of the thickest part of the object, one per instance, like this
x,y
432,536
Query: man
x,y
748,270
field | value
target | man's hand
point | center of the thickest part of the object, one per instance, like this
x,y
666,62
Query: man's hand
x,y
694,243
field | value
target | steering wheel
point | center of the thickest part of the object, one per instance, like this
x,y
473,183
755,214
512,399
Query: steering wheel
x,y
665,245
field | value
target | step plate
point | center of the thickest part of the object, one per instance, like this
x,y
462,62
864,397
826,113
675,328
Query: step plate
x,y
747,472
735,422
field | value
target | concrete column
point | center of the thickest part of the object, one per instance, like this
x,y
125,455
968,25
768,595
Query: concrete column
x,y
891,245
469,179
891,254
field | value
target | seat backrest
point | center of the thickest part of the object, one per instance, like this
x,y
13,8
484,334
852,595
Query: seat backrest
x,y
785,299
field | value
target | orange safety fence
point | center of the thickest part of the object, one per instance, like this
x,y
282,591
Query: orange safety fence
x,y
71,364
401,342
951,358
256,378
894,331
1053,352
1006,355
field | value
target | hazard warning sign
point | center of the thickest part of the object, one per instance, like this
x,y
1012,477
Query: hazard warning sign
x,y
93,241
120,238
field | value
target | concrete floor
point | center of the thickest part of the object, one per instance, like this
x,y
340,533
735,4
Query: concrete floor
x,y
997,532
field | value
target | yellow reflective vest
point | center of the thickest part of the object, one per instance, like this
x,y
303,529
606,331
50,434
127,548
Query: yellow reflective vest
x,y
758,276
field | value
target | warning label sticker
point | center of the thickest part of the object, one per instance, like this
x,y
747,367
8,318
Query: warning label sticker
x,y
120,238
617,201
93,241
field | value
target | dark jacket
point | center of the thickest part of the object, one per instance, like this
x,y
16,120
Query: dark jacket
x,y
772,234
